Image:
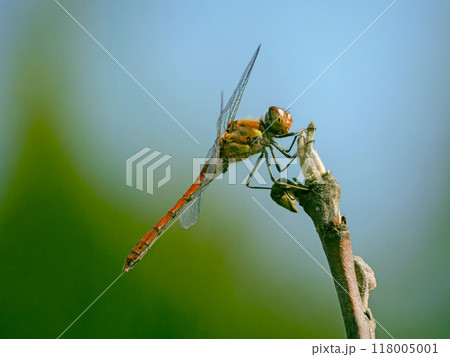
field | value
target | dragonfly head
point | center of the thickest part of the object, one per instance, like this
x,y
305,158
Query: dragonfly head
x,y
277,121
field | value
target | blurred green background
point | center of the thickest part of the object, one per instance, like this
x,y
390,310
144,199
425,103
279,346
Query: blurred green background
x,y
70,117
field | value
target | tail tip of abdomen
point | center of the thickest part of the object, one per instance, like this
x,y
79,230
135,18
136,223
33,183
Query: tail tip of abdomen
x,y
129,264
136,254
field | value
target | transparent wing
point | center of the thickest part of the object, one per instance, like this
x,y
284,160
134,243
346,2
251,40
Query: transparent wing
x,y
229,112
226,116
190,216
216,166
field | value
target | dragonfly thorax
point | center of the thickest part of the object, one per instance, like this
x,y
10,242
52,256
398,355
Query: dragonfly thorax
x,y
241,140
277,121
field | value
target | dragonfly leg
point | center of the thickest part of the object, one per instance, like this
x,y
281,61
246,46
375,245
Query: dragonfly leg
x,y
289,163
269,167
272,177
299,186
295,133
253,173
278,182
295,156
283,150
293,142
277,165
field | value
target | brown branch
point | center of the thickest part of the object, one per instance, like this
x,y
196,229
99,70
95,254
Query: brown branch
x,y
353,278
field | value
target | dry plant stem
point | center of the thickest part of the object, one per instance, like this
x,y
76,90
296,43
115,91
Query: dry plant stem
x,y
321,203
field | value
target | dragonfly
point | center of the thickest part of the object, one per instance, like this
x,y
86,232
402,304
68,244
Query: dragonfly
x,y
235,140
